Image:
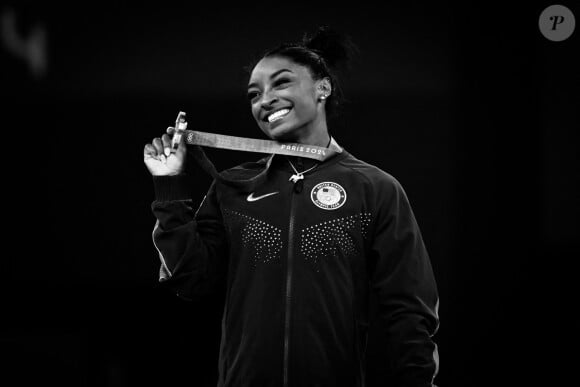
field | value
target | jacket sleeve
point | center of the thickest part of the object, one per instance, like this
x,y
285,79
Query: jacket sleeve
x,y
192,244
403,281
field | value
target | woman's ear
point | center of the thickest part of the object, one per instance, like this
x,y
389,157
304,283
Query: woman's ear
x,y
323,89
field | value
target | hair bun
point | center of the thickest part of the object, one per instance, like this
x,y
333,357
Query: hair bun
x,y
335,47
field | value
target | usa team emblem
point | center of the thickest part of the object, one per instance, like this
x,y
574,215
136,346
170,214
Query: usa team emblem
x,y
328,195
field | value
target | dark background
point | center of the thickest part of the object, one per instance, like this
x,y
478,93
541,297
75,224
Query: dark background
x,y
465,103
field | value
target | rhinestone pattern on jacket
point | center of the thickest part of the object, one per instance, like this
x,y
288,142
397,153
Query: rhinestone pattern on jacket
x,y
326,238
262,238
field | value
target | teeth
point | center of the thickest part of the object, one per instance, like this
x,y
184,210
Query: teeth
x,y
279,114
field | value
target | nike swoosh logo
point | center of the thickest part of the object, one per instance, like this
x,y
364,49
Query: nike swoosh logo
x,y
252,198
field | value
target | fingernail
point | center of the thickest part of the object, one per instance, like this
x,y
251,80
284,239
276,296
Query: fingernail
x,y
167,151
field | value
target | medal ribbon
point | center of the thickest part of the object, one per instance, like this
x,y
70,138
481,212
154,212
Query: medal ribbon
x,y
198,139
260,146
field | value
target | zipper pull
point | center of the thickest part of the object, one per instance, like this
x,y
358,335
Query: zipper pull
x,y
299,185
298,180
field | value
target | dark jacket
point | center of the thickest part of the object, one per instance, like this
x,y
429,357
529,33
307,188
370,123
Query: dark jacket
x,y
299,266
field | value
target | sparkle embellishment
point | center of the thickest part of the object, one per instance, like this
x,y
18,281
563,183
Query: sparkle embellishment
x,y
333,237
262,239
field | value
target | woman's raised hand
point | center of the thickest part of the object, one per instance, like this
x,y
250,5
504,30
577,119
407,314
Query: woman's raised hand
x,y
159,159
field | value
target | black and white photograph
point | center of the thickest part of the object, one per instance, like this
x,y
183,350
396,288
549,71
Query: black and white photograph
x,y
290,194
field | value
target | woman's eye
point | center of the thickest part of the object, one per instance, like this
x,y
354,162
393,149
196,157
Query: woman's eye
x,y
281,81
252,95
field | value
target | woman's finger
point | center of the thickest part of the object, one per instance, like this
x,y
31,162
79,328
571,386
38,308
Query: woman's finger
x,y
158,144
149,150
166,144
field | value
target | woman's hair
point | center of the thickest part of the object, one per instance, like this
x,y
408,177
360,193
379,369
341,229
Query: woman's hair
x,y
326,53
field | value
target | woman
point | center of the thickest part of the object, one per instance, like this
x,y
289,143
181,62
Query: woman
x,y
302,250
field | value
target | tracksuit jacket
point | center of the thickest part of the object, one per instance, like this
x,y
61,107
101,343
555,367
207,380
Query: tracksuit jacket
x,y
299,262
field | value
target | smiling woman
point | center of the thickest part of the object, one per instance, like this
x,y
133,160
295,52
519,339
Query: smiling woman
x,y
294,87
300,255
288,103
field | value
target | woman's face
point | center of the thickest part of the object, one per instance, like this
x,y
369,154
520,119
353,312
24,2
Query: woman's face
x,y
284,99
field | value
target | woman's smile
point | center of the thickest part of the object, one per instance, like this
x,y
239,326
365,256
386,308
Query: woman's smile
x,y
277,115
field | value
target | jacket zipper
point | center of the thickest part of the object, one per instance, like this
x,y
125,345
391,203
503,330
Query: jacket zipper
x,y
288,288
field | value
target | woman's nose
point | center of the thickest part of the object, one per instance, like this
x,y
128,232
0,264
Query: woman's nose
x,y
268,100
